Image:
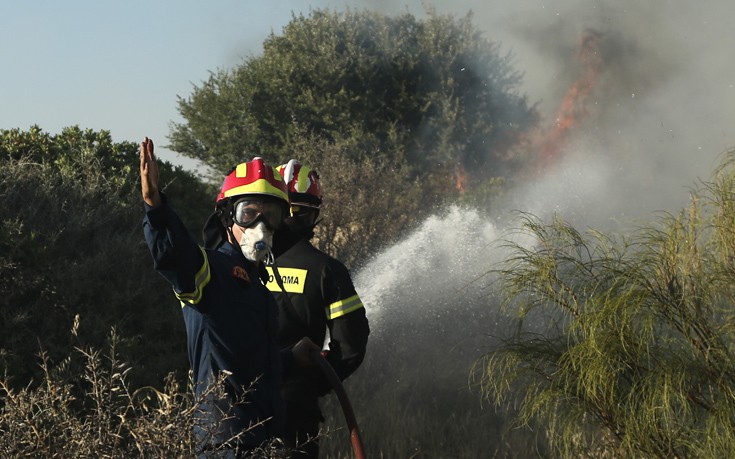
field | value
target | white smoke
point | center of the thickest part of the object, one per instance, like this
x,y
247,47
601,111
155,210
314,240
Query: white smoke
x,y
663,110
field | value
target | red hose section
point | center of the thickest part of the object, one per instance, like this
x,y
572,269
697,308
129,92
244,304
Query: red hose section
x,y
336,384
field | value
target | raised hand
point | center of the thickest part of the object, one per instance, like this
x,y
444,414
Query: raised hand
x,y
149,175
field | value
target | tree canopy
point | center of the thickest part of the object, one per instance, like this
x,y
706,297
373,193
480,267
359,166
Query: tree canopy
x,y
433,93
398,115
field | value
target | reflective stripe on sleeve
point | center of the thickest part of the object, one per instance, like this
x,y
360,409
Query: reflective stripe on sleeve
x,y
201,279
342,307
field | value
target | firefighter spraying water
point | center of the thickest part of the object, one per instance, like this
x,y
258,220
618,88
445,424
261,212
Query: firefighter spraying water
x,y
317,299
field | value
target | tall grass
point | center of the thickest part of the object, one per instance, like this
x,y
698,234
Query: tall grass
x,y
84,407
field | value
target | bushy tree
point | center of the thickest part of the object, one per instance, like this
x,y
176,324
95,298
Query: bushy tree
x,y
624,345
71,248
431,98
436,84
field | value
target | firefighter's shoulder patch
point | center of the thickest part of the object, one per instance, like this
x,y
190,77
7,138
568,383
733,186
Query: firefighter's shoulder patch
x,y
238,272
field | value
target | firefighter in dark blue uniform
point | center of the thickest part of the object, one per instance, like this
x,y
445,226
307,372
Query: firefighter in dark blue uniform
x,y
230,317
317,299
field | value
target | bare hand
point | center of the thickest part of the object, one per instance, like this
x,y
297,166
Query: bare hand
x,y
149,175
302,351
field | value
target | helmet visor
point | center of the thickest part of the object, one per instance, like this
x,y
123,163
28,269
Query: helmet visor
x,y
249,211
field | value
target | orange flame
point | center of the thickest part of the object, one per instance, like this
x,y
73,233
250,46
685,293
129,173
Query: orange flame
x,y
573,106
461,178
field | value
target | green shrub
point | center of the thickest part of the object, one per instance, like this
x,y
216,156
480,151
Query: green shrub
x,y
71,244
624,345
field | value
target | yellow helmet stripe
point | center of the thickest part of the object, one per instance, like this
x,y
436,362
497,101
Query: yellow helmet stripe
x,y
303,182
260,186
342,307
241,170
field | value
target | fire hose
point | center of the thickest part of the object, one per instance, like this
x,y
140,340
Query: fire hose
x,y
334,381
336,384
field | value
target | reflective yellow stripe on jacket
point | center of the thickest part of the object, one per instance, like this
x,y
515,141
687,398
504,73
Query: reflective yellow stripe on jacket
x,y
342,307
201,279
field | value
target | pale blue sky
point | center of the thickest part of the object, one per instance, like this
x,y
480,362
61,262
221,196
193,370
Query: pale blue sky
x,y
119,65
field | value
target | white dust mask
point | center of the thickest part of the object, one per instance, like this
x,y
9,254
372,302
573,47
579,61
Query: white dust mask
x,y
256,242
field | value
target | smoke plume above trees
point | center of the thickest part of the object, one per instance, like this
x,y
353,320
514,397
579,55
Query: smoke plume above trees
x,y
661,112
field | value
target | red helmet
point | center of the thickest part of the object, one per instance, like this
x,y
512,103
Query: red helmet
x,y
302,184
253,178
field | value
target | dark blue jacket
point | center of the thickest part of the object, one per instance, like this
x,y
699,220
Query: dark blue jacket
x,y
231,325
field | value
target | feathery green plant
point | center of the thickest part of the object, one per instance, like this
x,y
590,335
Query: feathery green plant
x,y
624,345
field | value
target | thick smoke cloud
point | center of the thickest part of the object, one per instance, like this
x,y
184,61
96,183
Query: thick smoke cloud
x,y
661,114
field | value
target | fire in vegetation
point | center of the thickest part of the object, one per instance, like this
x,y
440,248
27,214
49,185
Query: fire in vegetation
x,y
461,178
573,107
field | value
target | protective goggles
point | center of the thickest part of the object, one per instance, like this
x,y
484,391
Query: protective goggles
x,y
247,212
300,209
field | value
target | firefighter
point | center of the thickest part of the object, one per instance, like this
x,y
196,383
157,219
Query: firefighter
x,y
316,299
230,316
